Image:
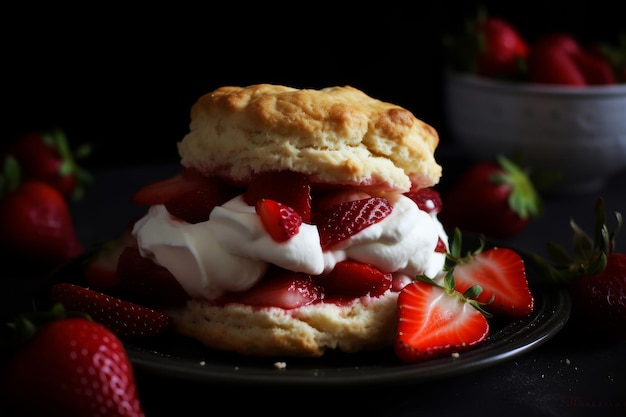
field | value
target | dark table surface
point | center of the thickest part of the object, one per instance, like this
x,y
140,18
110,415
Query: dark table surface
x,y
565,375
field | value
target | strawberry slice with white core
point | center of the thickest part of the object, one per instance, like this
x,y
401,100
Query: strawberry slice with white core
x,y
280,221
436,320
501,274
347,219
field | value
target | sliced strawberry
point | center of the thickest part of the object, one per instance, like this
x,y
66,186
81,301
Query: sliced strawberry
x,y
279,288
161,191
323,200
281,221
435,321
124,318
146,282
354,279
99,269
286,187
427,199
346,219
501,274
195,205
441,246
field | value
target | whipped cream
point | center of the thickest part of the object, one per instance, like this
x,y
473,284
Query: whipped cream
x,y
231,251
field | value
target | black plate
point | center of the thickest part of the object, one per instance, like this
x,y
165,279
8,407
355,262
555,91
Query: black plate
x,y
180,357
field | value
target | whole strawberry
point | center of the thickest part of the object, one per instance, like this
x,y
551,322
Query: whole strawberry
x,y
35,222
71,367
558,59
46,156
595,275
490,46
599,300
495,198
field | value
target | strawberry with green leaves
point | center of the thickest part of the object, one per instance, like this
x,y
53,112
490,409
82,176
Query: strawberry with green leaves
x,y
436,320
594,274
68,365
46,156
495,198
35,222
490,46
449,314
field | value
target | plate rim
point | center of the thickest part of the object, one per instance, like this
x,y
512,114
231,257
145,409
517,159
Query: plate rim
x,y
512,340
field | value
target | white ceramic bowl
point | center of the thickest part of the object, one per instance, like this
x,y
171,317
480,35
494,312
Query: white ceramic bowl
x,y
579,132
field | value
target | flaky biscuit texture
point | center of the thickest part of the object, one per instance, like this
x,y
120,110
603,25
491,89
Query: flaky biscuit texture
x,y
336,135
308,331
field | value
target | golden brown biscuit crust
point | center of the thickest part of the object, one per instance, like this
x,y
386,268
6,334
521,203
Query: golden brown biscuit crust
x,y
336,135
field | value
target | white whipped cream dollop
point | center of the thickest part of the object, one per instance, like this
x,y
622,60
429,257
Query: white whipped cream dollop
x,y
231,251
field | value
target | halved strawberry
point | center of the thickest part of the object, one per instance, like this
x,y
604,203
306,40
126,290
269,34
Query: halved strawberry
x,y
287,187
436,320
427,199
161,191
280,221
324,199
195,205
147,283
279,288
354,279
346,219
500,272
124,318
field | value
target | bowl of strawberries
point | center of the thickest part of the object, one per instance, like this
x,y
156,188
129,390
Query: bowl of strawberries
x,y
555,102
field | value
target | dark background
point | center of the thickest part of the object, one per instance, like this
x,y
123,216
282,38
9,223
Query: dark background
x,y
124,79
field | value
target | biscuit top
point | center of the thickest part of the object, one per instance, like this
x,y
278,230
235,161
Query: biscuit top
x,y
336,135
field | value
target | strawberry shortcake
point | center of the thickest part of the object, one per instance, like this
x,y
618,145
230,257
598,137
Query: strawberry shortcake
x,y
296,218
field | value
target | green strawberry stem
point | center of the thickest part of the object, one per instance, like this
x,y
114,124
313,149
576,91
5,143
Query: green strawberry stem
x,y
27,324
588,255
10,176
56,138
449,285
454,256
523,199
